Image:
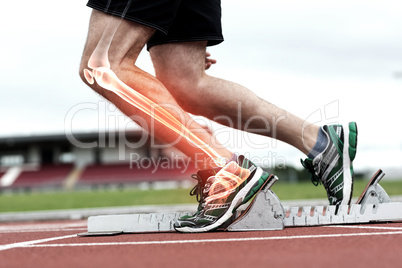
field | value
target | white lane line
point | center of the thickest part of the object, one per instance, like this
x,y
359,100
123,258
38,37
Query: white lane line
x,y
215,240
365,227
32,242
34,227
44,230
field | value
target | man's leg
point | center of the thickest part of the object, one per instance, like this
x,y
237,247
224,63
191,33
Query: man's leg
x,y
181,68
108,67
122,51
330,150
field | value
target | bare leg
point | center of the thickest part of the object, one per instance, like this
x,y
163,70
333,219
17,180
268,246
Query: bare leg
x,y
180,67
108,67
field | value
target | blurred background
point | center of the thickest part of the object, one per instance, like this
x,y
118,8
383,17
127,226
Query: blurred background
x,y
327,62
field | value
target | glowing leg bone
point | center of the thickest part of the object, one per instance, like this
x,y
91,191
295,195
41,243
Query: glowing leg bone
x,y
107,79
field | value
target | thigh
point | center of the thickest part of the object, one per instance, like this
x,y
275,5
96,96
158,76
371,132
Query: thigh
x,y
127,38
179,62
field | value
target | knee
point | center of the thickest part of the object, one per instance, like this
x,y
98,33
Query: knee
x,y
81,71
84,66
88,63
86,73
87,77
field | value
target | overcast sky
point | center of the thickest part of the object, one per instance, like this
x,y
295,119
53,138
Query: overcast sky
x,y
343,58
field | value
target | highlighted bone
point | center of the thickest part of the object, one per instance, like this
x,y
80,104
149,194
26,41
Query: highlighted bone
x,y
225,181
107,79
88,76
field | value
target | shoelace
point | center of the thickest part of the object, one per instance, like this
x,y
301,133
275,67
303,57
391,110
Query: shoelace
x,y
197,189
308,164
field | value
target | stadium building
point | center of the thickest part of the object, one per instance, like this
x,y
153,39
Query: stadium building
x,y
88,160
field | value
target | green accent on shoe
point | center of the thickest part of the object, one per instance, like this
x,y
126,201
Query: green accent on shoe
x,y
352,140
333,167
336,139
256,187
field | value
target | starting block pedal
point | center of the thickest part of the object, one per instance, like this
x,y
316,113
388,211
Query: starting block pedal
x,y
264,212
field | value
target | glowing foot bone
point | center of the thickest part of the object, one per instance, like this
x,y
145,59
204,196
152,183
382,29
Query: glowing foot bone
x,y
225,182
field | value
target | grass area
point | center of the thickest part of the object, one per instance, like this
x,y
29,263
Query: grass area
x,y
89,199
133,197
306,190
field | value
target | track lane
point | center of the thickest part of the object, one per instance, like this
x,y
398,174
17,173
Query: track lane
x,y
350,245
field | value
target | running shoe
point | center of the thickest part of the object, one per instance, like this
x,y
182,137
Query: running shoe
x,y
334,166
222,193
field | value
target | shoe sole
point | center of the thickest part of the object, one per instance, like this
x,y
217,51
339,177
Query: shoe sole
x,y
349,154
236,202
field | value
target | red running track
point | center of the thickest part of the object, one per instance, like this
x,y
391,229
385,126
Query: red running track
x,y
55,244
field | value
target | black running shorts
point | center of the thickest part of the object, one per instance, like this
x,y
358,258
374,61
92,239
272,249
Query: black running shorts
x,y
174,20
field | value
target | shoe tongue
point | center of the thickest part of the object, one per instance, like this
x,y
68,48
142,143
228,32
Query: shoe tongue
x,y
205,174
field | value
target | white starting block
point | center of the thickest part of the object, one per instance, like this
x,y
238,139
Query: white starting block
x,y
265,212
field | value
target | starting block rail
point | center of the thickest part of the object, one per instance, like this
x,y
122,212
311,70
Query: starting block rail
x,y
265,212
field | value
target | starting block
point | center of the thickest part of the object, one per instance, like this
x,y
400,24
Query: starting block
x,y
265,212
